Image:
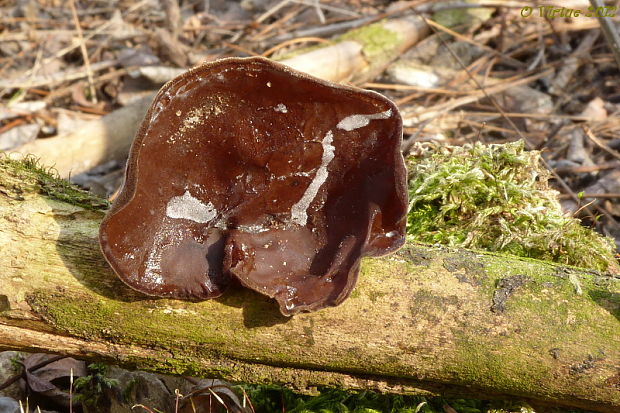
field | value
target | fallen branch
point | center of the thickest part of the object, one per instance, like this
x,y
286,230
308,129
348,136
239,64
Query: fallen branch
x,y
427,319
96,142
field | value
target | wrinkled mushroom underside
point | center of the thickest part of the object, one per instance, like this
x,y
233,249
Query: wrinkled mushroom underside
x,y
244,168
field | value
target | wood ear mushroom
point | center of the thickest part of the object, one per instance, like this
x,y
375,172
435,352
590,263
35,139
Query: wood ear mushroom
x,y
247,169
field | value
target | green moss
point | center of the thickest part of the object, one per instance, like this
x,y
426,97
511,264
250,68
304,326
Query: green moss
x,y
543,296
467,18
27,173
374,295
89,317
332,400
180,365
494,368
463,17
355,293
497,198
375,39
181,338
608,300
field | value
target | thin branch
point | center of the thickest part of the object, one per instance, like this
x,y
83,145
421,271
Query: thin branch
x,y
609,31
89,72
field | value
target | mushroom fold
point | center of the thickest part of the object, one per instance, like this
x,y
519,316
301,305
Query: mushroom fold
x,y
246,169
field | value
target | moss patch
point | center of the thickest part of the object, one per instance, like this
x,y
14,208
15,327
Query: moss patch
x,y
28,174
88,316
375,39
497,198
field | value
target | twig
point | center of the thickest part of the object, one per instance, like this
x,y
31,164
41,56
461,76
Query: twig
x,y
143,406
540,56
609,31
571,64
11,124
71,392
173,17
89,72
50,80
393,86
563,170
600,144
486,125
271,11
319,12
327,30
266,29
277,47
473,97
331,29
558,27
406,99
93,111
64,91
315,3
76,43
177,398
546,116
37,62
600,196
505,58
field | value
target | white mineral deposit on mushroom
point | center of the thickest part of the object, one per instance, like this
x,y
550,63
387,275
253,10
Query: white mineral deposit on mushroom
x,y
299,211
359,121
188,207
281,107
290,295
152,272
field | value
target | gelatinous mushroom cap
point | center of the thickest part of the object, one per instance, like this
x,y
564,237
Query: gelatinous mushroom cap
x,y
247,169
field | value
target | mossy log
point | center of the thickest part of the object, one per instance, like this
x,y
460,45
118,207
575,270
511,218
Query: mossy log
x,y
424,320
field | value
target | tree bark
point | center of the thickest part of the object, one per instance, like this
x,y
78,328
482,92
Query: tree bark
x,y
425,320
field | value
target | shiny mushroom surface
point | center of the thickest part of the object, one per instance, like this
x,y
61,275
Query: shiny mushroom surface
x,y
244,168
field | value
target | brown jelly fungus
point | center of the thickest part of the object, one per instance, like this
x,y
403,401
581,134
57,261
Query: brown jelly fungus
x,y
246,169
